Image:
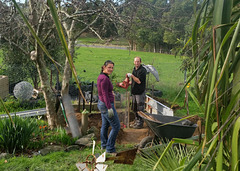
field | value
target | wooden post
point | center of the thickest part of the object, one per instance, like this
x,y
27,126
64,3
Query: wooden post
x,y
83,101
152,97
128,107
79,100
126,110
91,97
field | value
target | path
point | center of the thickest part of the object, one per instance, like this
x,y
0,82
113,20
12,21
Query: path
x,y
28,113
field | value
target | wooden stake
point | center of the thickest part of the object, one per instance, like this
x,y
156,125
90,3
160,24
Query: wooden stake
x,y
128,107
126,111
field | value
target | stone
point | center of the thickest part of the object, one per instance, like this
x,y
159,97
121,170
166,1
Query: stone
x,y
50,149
93,129
86,140
72,147
4,155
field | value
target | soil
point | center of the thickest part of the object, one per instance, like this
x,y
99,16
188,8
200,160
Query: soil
x,y
130,135
125,135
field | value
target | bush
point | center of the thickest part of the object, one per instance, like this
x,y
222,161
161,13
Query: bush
x,y
14,105
61,137
16,137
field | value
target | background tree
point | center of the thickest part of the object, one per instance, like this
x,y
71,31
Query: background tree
x,y
17,43
158,26
72,14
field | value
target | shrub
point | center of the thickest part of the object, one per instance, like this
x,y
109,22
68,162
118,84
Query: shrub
x,y
61,137
38,140
14,105
16,137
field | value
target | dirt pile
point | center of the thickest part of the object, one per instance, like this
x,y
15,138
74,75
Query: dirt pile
x,y
125,135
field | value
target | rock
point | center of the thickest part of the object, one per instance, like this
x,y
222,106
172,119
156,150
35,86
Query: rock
x,y
4,155
94,130
86,140
50,149
36,153
72,147
92,135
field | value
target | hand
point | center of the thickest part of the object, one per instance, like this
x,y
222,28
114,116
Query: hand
x,y
129,74
110,113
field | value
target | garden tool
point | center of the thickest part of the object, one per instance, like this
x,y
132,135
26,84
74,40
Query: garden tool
x,y
94,163
125,83
124,157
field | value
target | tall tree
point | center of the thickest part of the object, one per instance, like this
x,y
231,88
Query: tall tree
x,y
74,15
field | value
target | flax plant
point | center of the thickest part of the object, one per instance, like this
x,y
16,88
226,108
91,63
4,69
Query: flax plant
x,y
216,59
169,156
216,69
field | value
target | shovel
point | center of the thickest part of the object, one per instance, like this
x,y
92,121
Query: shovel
x,y
124,157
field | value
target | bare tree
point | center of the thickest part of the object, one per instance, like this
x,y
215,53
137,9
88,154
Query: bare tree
x,y
76,17
16,36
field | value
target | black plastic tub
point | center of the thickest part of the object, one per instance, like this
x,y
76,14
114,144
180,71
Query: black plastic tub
x,y
180,129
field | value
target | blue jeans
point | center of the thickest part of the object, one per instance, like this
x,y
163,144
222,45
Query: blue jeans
x,y
108,141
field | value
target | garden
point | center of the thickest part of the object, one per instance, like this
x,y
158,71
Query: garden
x,y
199,84
39,137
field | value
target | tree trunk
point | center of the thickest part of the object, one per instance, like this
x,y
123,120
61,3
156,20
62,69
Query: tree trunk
x,y
70,113
45,86
38,57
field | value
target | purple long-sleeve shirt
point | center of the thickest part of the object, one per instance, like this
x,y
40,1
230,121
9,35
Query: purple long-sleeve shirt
x,y
105,88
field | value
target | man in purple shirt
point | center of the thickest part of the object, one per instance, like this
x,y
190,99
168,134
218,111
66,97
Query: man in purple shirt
x,y
107,109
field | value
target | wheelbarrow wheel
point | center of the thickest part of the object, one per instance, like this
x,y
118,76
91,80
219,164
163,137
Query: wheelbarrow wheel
x,y
146,142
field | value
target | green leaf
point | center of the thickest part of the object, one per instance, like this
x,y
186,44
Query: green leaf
x,y
235,137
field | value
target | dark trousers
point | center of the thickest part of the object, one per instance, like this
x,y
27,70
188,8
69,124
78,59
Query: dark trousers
x,y
138,104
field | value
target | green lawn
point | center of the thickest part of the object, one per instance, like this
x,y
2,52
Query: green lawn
x,y
91,60
88,62
64,161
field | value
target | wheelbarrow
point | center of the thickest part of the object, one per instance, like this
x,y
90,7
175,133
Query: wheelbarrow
x,y
165,128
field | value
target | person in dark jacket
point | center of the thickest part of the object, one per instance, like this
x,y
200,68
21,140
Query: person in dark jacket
x,y
107,109
138,86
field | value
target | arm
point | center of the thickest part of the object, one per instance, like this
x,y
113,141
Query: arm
x,y
136,79
105,87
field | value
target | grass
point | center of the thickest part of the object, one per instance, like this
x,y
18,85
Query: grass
x,y
64,161
89,61
88,64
